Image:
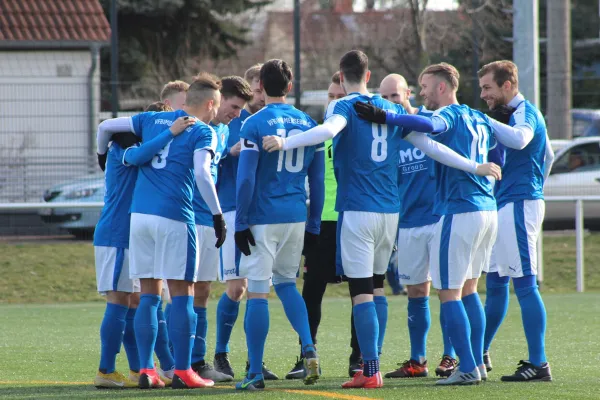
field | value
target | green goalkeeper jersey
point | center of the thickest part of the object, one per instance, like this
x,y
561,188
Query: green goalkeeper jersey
x,y
329,213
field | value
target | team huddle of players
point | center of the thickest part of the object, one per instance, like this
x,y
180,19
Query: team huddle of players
x,y
456,192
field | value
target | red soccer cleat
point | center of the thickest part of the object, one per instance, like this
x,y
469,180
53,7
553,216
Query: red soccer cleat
x,y
149,379
360,381
188,379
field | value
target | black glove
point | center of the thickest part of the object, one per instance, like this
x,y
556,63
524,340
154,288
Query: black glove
x,y
102,160
125,139
220,229
370,112
243,240
311,244
502,114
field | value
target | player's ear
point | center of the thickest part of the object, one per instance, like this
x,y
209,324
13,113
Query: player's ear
x,y
367,76
289,88
507,86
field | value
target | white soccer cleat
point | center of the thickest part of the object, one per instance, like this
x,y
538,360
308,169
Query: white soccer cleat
x,y
483,372
462,378
166,376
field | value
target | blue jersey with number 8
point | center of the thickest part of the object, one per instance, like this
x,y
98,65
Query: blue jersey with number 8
x,y
366,157
470,134
165,186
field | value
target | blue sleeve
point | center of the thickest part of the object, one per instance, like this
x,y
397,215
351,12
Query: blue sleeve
x,y
138,121
340,107
205,138
409,122
246,178
497,154
248,132
316,183
144,153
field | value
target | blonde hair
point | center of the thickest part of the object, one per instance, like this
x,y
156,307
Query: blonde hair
x,y
445,71
172,88
202,88
253,73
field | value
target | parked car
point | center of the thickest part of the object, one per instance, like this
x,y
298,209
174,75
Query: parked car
x,y
576,172
586,122
79,222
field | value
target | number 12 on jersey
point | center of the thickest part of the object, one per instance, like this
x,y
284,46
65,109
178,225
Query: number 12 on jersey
x,y
294,159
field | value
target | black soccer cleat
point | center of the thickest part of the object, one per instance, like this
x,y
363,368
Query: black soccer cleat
x,y
487,361
527,372
267,374
355,365
298,371
222,364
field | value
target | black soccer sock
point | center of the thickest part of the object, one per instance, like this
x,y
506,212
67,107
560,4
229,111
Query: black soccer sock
x,y
312,293
354,340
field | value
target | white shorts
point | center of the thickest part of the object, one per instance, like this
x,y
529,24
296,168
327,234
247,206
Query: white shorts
x,y
414,254
112,270
493,265
229,268
208,254
366,242
462,246
278,250
520,224
162,248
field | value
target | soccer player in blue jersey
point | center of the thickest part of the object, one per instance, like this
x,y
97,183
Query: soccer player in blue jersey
x,y
235,93
236,284
111,244
163,234
521,209
173,94
271,218
366,157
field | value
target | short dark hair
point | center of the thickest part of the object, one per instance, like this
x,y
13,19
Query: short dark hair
x,y
158,107
275,76
502,71
354,65
202,88
235,86
336,78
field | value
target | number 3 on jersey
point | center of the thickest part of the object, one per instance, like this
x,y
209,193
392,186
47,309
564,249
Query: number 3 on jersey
x,y
159,161
379,145
294,159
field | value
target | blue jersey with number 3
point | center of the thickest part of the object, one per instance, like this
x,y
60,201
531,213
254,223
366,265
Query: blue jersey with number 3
x,y
279,191
165,186
365,158
469,134
201,211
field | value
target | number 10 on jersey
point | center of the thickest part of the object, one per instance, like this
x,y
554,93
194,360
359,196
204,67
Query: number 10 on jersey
x,y
294,159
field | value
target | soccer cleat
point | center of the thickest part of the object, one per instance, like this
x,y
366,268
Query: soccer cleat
x,y
311,366
206,371
446,367
114,380
149,379
298,371
222,364
355,365
268,375
461,378
189,379
166,376
255,383
409,369
360,381
487,361
483,372
134,377
527,372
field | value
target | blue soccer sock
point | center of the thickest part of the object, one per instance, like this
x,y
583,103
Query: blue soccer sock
x,y
167,318
419,321
533,314
146,329
496,305
227,313
459,331
199,350
111,336
367,331
295,310
161,347
448,348
182,328
476,315
381,307
129,343
256,325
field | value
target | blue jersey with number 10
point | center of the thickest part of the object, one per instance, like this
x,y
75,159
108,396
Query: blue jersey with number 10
x,y
470,134
279,192
365,158
201,211
165,186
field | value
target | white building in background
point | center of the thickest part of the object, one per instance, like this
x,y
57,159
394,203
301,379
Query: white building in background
x,y
49,93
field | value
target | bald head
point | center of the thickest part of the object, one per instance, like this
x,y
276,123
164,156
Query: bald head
x,y
395,89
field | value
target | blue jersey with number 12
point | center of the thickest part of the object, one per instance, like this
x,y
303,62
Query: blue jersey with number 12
x,y
165,186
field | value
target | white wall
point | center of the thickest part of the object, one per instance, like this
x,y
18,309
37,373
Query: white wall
x,y
44,134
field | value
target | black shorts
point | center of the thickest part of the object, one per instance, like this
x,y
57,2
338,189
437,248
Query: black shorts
x,y
322,262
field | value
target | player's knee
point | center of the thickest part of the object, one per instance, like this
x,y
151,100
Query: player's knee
x,y
201,293
494,280
360,286
236,289
378,280
259,286
525,285
416,291
120,298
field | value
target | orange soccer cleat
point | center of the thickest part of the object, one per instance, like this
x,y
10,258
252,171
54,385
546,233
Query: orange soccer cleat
x,y
149,379
359,380
188,379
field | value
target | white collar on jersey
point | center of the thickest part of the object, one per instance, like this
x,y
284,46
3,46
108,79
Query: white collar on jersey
x,y
518,99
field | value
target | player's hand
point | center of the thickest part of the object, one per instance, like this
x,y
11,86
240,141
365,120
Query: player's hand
x,y
181,124
311,244
125,139
370,112
489,169
243,240
220,229
502,113
236,149
273,143
102,160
